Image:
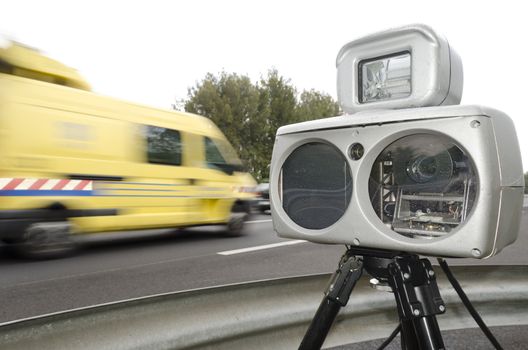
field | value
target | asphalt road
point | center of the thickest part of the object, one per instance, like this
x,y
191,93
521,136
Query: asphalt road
x,y
110,268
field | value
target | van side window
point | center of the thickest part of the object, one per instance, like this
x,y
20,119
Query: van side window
x,y
164,146
212,154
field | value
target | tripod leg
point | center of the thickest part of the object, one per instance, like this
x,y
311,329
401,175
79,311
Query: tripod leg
x,y
321,323
336,296
421,333
418,299
408,336
428,333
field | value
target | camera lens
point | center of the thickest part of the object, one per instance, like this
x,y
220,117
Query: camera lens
x,y
316,185
428,168
356,151
427,181
422,169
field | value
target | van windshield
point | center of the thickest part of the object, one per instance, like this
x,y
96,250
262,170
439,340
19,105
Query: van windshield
x,y
219,153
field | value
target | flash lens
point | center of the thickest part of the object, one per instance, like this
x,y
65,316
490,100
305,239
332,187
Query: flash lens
x,y
385,78
423,186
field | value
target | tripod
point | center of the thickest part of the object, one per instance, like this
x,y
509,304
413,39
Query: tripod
x,y
413,283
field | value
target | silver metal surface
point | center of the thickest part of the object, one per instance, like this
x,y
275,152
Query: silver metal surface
x,y
436,69
263,315
493,222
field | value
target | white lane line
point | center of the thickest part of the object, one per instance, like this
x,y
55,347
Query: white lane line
x,y
257,221
260,247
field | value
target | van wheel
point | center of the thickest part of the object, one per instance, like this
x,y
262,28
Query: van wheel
x,y
46,240
235,225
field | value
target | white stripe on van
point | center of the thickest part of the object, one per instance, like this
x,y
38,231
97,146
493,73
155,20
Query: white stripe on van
x,y
49,184
26,184
71,185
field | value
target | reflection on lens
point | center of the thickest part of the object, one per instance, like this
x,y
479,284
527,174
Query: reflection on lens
x,y
316,185
427,168
423,186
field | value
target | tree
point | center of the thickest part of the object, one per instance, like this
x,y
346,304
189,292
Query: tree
x,y
232,102
278,104
250,114
314,105
526,182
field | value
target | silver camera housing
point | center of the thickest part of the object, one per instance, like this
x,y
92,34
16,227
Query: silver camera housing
x,y
436,68
486,135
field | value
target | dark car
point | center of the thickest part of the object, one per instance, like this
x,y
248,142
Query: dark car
x,y
262,202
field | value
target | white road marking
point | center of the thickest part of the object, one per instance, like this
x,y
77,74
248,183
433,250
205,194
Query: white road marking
x,y
260,247
257,221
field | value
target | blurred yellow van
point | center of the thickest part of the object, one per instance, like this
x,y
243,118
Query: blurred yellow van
x,y
72,161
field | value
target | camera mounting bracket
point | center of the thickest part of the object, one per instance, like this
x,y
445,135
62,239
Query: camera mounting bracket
x,y
413,283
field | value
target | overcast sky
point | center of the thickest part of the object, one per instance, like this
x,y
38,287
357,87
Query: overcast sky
x,y
152,51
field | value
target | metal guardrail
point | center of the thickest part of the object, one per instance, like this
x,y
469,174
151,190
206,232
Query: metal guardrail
x,y
270,314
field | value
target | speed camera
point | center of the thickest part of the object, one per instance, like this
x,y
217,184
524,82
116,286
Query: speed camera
x,y
439,181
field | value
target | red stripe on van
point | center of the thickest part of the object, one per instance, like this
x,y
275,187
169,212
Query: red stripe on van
x,y
12,184
81,185
59,185
38,184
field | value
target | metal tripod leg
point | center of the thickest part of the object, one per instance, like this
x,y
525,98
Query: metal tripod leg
x,y
418,300
336,296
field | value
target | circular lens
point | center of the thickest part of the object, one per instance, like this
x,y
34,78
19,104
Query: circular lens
x,y
423,186
422,169
316,185
427,168
356,151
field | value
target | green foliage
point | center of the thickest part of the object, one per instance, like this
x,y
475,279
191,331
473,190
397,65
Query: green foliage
x,y
250,114
315,105
526,182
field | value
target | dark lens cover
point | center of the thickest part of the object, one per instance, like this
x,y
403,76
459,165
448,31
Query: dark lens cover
x,y
316,185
